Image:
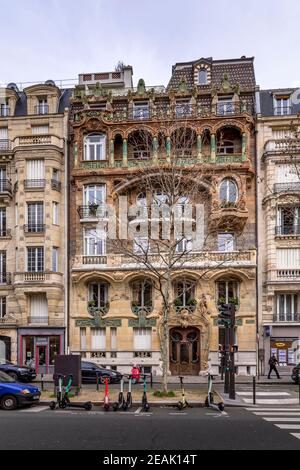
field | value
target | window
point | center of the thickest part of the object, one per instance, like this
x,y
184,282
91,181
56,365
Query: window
x,y
35,259
42,107
141,245
142,339
141,110
228,291
38,130
226,148
4,108
113,338
94,194
288,258
225,105
228,191
183,107
4,143
3,232
3,274
95,147
184,246
55,259
98,293
287,307
226,242
288,220
98,339
184,293
142,293
202,77
38,308
55,209
55,174
35,217
82,339
287,173
35,173
2,307
282,105
94,242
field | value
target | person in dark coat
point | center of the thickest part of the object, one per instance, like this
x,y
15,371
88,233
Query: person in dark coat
x,y
272,363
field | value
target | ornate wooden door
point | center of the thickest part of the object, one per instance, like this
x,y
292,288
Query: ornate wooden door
x,y
184,351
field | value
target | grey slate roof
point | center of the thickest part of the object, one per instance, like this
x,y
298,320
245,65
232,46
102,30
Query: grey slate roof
x,y
267,100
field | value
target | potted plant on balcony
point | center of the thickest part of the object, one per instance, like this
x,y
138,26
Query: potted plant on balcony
x,y
221,300
135,306
233,300
93,207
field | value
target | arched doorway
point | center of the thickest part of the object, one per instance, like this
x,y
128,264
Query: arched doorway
x,y
184,351
5,348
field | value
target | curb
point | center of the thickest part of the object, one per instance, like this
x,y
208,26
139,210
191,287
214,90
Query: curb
x,y
138,404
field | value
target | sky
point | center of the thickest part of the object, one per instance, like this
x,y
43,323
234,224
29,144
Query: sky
x,y
58,39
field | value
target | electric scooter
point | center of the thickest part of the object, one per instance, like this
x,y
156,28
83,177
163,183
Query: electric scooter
x,y
145,404
63,400
121,403
209,401
106,401
128,403
59,395
182,404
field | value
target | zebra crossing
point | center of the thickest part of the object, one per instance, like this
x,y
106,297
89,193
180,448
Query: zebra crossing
x,y
287,419
268,397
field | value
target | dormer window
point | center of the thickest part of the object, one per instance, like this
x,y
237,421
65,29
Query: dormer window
x,y
282,105
4,108
202,77
42,107
141,110
95,147
183,107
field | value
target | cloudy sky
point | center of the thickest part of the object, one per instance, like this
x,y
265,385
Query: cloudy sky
x,y
59,39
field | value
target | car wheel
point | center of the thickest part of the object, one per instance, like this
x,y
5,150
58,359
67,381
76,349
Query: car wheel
x,y
102,379
13,375
9,402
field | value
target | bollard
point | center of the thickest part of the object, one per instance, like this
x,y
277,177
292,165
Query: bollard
x,y
97,382
254,390
151,380
42,382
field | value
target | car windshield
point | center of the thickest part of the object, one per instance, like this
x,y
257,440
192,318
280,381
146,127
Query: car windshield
x,y
5,378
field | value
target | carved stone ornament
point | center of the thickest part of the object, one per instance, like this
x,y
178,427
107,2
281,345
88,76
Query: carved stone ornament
x,y
142,321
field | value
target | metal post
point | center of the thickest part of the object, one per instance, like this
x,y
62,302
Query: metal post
x,y
232,366
151,380
42,382
254,390
226,361
97,382
299,384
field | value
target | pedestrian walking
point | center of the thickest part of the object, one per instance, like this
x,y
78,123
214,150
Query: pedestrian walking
x,y
272,363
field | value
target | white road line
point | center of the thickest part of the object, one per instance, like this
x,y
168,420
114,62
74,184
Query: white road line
x,y
272,409
276,413
282,401
264,394
288,426
137,412
295,434
281,420
178,414
36,409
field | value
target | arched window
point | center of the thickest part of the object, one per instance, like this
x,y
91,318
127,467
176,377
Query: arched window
x,y
98,294
184,293
227,291
202,77
142,294
95,147
228,191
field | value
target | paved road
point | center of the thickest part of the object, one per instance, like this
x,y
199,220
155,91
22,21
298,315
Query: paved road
x,y
161,429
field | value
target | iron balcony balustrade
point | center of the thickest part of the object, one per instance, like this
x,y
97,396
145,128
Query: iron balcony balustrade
x,y
286,317
5,278
286,187
34,184
41,109
55,184
5,187
35,228
93,211
282,110
287,230
5,232
5,145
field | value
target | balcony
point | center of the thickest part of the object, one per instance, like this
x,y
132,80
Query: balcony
x,y
34,184
137,309
41,109
38,277
288,274
45,321
94,260
230,158
56,185
43,140
282,110
94,309
92,211
286,317
5,278
5,233
4,111
283,146
34,228
5,146
282,230
5,187
286,187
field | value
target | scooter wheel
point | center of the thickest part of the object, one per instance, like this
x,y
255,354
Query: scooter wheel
x,y
106,407
52,405
88,406
62,405
115,406
206,402
146,407
180,405
221,406
125,407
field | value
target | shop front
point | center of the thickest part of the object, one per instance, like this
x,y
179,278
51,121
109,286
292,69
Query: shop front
x,y
285,350
38,348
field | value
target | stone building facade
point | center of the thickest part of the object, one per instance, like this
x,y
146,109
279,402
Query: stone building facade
x,y
114,310
33,143
278,154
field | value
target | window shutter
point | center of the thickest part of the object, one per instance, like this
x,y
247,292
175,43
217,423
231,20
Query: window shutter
x,y
98,339
38,306
142,339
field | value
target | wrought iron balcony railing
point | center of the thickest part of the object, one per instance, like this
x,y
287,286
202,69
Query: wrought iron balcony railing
x,y
5,186
93,211
287,230
5,232
34,228
56,185
286,187
286,317
5,145
34,184
5,278
282,110
42,109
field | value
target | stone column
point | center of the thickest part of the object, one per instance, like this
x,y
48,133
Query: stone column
x,y
199,147
155,148
168,148
244,147
213,147
125,152
112,153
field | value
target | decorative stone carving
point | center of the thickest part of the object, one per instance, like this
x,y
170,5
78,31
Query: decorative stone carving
x,y
142,321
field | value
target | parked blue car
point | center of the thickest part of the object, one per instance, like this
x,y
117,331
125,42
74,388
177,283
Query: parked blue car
x,y
14,394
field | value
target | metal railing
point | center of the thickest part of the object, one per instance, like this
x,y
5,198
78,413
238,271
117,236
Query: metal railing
x,y
93,211
285,187
286,317
34,184
5,186
5,278
42,109
55,184
287,230
34,228
282,110
5,232
5,145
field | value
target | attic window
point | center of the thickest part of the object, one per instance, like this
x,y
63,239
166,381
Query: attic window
x,y
202,77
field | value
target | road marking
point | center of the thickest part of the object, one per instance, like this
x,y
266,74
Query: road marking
x,y
178,414
286,420
264,394
282,401
295,434
36,409
288,426
272,409
137,412
275,413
